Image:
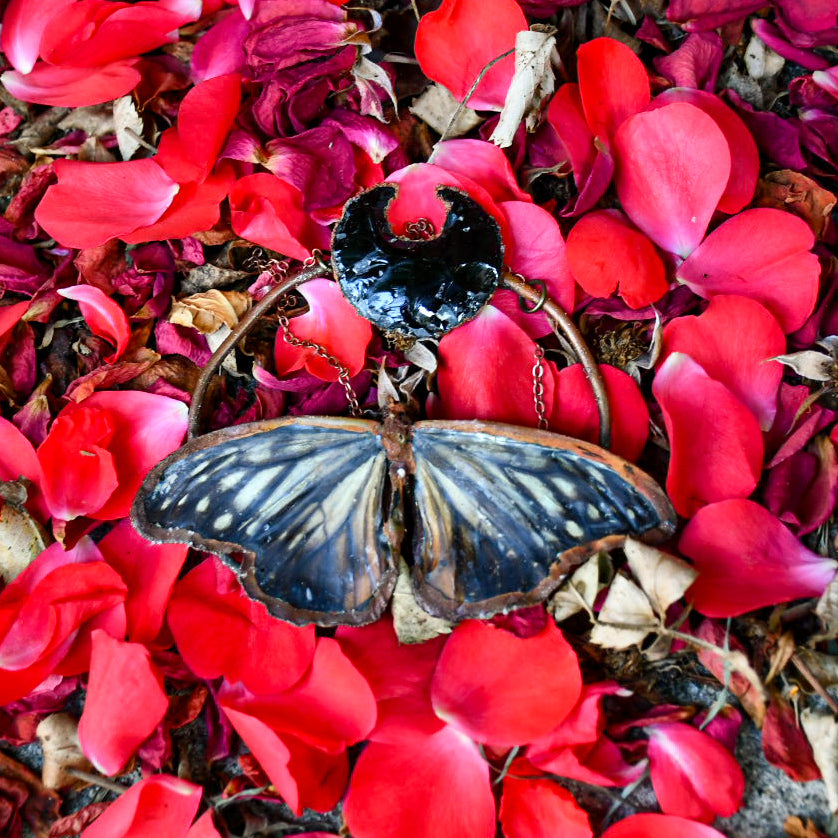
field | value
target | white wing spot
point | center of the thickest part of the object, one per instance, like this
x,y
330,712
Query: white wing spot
x,y
592,512
573,529
202,505
222,522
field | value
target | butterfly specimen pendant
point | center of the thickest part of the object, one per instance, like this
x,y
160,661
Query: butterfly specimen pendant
x,y
492,515
315,513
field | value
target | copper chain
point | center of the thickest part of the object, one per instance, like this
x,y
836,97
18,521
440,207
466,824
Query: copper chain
x,y
538,388
279,269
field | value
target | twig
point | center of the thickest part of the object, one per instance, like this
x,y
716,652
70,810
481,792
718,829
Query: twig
x,y
96,780
816,685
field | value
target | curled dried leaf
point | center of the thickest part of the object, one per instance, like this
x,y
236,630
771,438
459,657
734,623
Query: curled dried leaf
x,y
664,578
580,591
21,539
210,310
626,617
437,108
822,731
411,622
810,364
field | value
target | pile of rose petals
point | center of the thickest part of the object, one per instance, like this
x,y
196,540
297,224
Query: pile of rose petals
x,y
165,162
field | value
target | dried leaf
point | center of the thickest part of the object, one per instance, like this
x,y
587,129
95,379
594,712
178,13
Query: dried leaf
x,y
95,120
732,668
436,107
625,606
794,827
784,743
210,310
531,86
827,611
822,732
783,650
792,191
411,622
823,667
368,73
663,577
583,586
129,126
60,743
75,823
39,805
21,539
810,364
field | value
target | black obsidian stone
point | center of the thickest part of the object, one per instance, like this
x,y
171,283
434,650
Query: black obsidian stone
x,y
421,288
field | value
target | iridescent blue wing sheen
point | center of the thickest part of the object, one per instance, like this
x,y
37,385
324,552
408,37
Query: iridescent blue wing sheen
x,y
503,512
299,498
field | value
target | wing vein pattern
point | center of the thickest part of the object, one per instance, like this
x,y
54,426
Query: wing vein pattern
x,y
305,500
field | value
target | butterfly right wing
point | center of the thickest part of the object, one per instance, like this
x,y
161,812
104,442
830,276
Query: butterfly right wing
x,y
300,498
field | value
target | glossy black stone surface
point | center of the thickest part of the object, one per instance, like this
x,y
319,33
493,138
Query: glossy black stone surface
x,y
420,288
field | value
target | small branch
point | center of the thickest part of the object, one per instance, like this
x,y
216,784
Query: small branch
x,y
816,685
96,780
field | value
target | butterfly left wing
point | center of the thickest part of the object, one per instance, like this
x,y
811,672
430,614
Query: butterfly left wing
x,y
300,498
503,512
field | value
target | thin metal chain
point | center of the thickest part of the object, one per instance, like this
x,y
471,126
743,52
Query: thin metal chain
x,y
538,388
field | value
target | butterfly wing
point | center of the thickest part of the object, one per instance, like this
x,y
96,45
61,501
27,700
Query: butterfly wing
x,y
504,512
300,498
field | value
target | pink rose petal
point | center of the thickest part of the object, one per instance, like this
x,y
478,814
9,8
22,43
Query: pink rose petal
x,y
125,702
673,165
330,322
747,559
693,775
744,157
103,316
715,441
159,805
73,87
734,341
763,254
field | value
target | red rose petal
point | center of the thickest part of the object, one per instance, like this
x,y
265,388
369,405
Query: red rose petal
x,y
482,162
613,84
159,805
331,707
117,197
103,316
149,570
539,809
269,211
244,635
747,559
659,826
673,164
428,787
483,683
399,675
604,250
575,413
125,702
203,827
454,43
733,341
485,371
715,441
763,254
23,27
693,775
784,743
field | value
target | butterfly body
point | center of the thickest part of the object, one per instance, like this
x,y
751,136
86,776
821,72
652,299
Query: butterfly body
x,y
491,516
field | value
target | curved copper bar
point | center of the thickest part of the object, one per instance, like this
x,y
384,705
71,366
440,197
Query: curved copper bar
x,y
562,319
244,326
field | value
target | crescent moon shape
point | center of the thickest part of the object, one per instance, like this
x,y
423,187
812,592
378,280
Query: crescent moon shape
x,y
423,288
